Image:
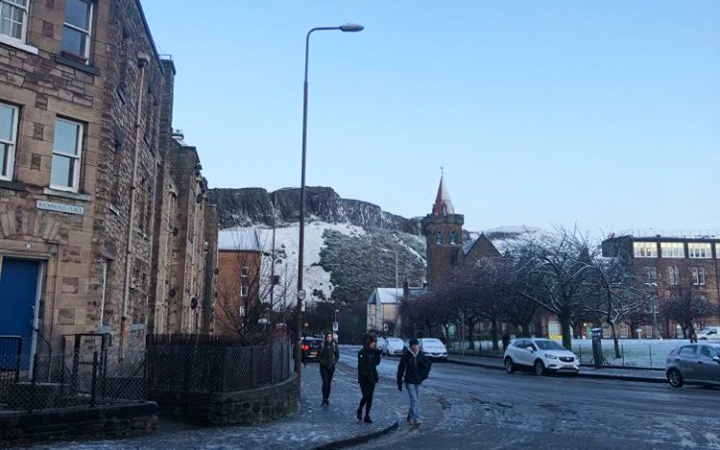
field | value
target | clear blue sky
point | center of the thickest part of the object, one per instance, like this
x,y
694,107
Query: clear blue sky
x,y
542,112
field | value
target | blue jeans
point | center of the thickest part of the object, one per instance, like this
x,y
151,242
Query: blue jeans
x,y
414,393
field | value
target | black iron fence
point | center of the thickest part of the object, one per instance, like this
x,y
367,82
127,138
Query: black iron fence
x,y
214,365
86,372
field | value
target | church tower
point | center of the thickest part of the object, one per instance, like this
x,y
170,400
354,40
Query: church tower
x,y
443,233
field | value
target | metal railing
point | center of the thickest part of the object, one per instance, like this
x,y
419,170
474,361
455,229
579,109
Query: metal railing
x,y
216,368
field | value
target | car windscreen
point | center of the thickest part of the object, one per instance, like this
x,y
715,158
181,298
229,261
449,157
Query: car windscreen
x,y
549,345
433,342
395,342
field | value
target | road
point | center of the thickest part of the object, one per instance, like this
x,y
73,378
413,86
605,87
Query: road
x,y
469,407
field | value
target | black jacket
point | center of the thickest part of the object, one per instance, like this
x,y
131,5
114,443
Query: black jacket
x,y
413,369
368,360
328,354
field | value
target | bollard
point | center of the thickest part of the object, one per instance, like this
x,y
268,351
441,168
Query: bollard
x,y
622,349
650,350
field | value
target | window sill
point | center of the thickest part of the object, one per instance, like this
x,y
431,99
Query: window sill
x,y
64,194
18,45
64,60
12,185
113,209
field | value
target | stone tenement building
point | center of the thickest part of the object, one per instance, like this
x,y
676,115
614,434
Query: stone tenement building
x,y
676,265
104,226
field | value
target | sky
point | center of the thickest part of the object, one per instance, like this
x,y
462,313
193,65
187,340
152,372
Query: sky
x,y
542,113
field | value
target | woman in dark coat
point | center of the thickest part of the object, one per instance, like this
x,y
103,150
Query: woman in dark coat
x,y
368,360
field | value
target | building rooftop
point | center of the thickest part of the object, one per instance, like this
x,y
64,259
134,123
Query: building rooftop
x,y
239,239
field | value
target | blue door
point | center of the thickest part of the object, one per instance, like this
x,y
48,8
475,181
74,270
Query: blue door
x,y
18,294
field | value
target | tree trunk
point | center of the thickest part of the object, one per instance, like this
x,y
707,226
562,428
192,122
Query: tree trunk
x,y
471,337
616,342
494,332
566,329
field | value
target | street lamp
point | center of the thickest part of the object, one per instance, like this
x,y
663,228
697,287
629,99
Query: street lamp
x,y
347,28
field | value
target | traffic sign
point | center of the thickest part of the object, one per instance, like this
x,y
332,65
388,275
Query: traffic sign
x,y
301,294
335,327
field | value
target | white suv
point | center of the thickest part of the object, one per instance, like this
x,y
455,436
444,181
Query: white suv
x,y
543,355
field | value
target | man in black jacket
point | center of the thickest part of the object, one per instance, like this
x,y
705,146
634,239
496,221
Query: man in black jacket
x,y
368,360
328,357
414,368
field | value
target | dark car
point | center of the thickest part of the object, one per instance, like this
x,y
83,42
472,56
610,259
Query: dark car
x,y
694,364
310,348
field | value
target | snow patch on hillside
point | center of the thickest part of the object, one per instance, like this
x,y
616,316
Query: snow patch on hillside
x,y
315,278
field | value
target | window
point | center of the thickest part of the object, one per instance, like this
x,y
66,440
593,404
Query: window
x,y
645,249
243,291
8,138
688,350
67,147
244,272
672,249
77,29
650,275
438,237
698,276
674,273
708,352
13,19
453,238
700,250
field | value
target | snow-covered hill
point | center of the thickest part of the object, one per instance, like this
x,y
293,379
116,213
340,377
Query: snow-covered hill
x,y
337,255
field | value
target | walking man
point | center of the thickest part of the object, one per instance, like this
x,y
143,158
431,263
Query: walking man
x,y
368,360
414,368
328,357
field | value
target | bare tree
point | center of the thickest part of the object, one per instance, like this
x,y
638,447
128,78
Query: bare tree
x,y
686,307
616,294
251,299
554,275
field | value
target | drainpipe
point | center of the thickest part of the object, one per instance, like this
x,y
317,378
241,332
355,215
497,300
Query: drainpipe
x,y
142,63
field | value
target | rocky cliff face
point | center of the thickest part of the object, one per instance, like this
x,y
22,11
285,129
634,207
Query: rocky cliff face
x,y
253,206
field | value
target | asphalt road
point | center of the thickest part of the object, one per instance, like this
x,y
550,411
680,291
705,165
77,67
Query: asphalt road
x,y
469,407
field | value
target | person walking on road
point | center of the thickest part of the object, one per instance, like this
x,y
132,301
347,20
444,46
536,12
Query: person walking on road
x,y
414,368
328,357
368,360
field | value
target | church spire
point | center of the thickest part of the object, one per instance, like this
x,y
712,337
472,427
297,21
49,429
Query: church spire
x,y
443,205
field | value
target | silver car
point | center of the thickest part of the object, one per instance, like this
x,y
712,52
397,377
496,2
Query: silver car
x,y
694,364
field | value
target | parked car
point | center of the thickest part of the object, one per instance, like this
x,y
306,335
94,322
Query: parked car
x,y
710,334
694,364
381,344
394,347
434,349
542,355
310,348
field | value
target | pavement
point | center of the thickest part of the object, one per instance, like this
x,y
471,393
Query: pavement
x,y
624,374
313,427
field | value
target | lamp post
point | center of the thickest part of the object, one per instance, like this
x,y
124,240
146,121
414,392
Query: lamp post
x,y
347,28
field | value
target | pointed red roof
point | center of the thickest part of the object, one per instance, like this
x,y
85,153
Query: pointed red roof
x,y
443,204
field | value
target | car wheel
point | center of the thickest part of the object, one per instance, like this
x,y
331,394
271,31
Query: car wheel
x,y
539,367
675,378
509,366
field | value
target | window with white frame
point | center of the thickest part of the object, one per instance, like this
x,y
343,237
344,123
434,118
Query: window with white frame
x,y
645,249
701,250
67,152
453,238
244,272
244,291
77,28
438,237
698,276
651,275
8,139
674,273
672,249
14,19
